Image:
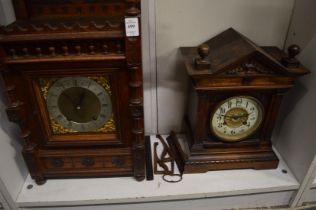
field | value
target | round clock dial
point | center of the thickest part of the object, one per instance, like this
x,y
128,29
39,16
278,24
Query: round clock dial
x,y
79,104
236,118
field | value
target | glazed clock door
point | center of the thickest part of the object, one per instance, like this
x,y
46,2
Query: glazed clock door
x,y
82,109
79,104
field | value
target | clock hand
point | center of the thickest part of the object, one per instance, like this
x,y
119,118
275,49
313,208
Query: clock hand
x,y
236,116
81,97
243,115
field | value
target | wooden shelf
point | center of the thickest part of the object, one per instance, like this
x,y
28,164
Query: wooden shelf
x,y
67,192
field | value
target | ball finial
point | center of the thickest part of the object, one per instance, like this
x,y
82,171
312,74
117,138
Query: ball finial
x,y
290,61
202,63
293,50
203,51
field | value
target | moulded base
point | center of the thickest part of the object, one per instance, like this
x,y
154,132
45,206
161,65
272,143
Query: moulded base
x,y
203,160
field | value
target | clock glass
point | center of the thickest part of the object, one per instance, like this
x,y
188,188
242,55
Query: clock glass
x,y
79,104
236,118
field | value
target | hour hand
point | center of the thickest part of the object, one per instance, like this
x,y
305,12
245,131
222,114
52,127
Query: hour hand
x,y
234,116
245,115
81,97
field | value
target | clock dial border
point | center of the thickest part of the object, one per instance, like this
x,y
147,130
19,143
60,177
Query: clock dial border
x,y
57,127
209,100
247,133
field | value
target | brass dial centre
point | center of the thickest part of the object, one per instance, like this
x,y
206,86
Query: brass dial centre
x,y
236,117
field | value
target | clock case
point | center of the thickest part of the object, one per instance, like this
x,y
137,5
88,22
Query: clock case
x,y
65,38
231,65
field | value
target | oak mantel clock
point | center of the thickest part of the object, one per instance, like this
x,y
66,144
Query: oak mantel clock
x,y
235,90
72,71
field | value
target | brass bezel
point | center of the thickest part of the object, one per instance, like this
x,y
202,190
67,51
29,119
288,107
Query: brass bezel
x,y
248,133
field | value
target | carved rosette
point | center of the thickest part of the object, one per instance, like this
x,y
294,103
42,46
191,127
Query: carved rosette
x,y
133,57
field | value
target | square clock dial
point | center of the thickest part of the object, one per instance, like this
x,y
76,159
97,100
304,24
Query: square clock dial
x,y
79,104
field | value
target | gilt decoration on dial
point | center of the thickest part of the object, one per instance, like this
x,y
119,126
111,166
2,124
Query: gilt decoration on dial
x,y
79,104
236,118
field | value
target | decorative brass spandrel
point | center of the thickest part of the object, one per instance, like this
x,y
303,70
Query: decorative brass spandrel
x,y
104,82
59,129
45,84
108,127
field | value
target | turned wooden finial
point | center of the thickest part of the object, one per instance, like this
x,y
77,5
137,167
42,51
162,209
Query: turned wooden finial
x,y
291,61
52,51
38,51
91,49
105,49
66,50
133,10
202,62
78,49
13,53
25,51
119,48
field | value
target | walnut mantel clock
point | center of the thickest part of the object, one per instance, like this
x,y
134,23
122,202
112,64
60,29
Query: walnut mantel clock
x,y
235,90
72,71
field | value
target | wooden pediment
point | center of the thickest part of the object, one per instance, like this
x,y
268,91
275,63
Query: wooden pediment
x,y
233,55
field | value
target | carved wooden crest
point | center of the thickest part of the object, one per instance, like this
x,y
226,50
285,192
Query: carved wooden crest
x,y
249,68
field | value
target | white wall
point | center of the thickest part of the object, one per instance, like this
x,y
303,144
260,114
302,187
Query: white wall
x,y
296,136
12,168
303,23
191,22
149,66
6,12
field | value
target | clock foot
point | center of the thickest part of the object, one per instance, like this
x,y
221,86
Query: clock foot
x,y
139,177
40,180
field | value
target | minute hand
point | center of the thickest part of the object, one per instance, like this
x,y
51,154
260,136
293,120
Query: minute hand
x,y
243,115
81,97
